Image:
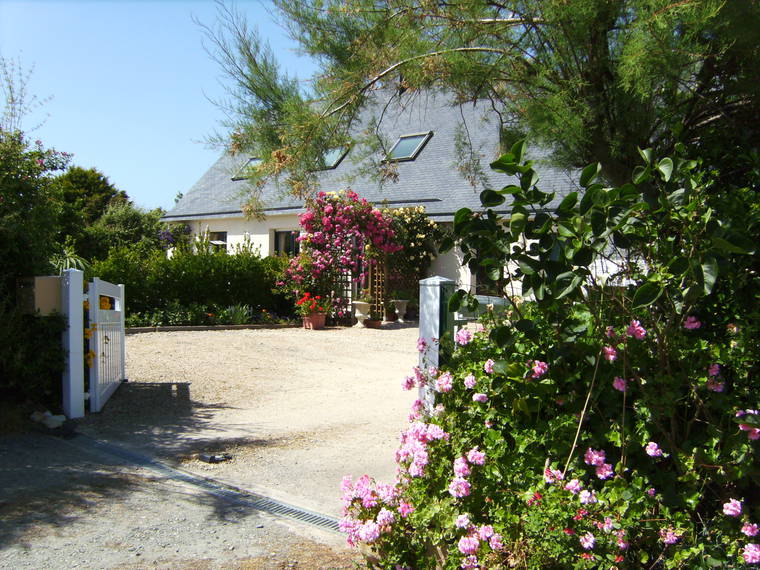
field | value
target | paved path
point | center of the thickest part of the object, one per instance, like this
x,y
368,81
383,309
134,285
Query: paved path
x,y
69,503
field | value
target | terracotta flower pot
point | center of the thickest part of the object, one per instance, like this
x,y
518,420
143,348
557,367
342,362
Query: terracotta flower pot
x,y
373,323
314,321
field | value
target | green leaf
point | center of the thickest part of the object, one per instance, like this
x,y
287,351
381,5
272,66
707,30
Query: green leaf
x,y
728,247
646,154
641,174
751,420
455,301
517,223
665,166
710,273
572,286
568,203
501,367
506,163
511,189
589,174
502,336
490,198
525,325
647,294
518,150
528,179
678,266
461,218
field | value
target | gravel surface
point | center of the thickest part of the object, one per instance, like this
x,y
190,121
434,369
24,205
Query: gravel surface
x,y
295,409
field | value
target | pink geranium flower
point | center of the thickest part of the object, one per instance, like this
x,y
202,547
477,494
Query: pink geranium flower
x,y
750,529
444,382
488,366
479,398
463,337
635,330
470,381
669,536
609,353
604,471
594,457
751,553
653,450
619,383
463,521
732,508
691,323
476,457
587,541
574,486
539,369
469,544
713,370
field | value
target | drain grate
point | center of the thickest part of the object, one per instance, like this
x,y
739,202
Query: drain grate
x,y
231,494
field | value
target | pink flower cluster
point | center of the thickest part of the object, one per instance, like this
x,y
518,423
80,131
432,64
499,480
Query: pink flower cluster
x,y
653,449
669,536
635,330
412,454
368,494
470,543
597,458
459,485
691,323
539,369
337,229
463,337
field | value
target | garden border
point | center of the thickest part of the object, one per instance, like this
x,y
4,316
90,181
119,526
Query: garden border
x,y
164,328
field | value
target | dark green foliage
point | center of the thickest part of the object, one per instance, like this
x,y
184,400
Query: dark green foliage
x,y
193,283
591,79
31,357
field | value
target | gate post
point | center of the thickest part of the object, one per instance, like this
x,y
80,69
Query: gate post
x,y
72,295
435,321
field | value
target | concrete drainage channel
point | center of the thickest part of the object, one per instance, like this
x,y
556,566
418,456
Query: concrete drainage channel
x,y
231,494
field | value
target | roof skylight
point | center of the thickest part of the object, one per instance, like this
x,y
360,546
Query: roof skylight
x,y
333,157
246,171
407,147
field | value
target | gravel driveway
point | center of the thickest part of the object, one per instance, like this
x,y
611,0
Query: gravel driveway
x,y
295,409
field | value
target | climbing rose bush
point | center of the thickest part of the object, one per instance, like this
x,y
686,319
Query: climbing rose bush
x,y
605,424
342,235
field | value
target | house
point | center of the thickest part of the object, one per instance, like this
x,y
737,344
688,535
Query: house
x,y
424,133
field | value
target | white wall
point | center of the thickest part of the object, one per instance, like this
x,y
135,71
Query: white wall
x,y
260,233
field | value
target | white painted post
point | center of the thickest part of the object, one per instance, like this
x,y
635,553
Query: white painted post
x,y
123,310
72,296
435,320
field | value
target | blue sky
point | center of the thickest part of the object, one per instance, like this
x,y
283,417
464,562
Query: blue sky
x,y
130,85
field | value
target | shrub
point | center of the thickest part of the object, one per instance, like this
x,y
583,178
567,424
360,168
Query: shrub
x,y
610,421
185,288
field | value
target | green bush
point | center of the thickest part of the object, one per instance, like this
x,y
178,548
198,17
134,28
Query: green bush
x,y
612,420
192,288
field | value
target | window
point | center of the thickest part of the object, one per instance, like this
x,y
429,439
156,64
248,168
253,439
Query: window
x,y
332,158
407,147
286,242
245,171
218,240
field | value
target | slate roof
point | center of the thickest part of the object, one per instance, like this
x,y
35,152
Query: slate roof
x,y
432,180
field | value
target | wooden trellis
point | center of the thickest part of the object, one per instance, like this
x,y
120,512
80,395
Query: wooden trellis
x,y
378,285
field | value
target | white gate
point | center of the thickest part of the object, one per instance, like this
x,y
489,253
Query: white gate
x,y
106,354
106,341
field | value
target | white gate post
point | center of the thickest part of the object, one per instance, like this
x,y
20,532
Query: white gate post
x,y
123,348
72,295
435,320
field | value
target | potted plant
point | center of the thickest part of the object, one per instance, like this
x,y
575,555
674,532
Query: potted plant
x,y
398,303
313,310
375,319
